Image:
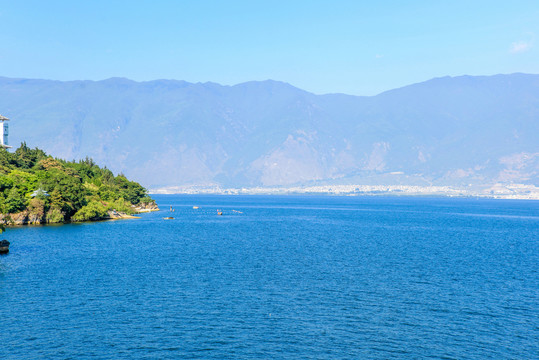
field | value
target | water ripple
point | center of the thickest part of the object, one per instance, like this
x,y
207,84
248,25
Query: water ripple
x,y
288,277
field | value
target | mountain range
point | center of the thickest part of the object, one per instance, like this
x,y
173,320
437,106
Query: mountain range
x,y
446,131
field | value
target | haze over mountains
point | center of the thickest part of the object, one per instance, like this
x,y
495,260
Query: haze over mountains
x,y
446,131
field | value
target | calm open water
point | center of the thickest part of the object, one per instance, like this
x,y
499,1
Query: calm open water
x,y
288,277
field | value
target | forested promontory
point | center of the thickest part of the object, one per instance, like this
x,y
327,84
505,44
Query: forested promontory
x,y
36,188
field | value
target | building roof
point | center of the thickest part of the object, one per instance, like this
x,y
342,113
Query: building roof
x,y
40,192
3,118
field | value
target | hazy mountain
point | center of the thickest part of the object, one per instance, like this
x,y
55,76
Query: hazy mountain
x,y
447,130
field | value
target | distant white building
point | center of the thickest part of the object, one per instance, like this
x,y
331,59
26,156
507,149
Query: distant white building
x,y
4,132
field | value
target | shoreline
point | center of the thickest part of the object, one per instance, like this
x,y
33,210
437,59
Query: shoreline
x,y
493,191
369,194
113,215
366,195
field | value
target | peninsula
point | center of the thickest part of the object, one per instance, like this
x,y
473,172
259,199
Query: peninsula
x,y
36,188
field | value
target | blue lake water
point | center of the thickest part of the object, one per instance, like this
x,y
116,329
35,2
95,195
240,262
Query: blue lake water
x,y
280,278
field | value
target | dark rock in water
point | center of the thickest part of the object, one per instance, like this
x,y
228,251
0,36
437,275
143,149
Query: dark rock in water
x,y
4,247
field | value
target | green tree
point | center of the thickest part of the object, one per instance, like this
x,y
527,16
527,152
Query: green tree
x,y
14,201
93,211
26,158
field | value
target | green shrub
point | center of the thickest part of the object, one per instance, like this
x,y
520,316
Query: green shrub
x,y
55,215
147,200
95,210
37,207
121,205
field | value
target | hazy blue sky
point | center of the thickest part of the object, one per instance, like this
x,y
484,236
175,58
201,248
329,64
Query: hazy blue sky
x,y
354,47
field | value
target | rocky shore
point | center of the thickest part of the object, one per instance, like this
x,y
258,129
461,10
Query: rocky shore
x,y
27,218
140,208
145,207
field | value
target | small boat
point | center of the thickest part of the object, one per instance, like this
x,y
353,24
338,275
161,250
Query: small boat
x,y
4,247
195,207
219,213
168,218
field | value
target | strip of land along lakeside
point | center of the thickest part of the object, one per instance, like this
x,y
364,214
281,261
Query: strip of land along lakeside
x,y
496,191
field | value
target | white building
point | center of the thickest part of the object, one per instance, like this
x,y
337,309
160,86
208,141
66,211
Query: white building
x,y
4,132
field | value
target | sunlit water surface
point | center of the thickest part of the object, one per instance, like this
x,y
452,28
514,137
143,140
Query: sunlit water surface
x,y
279,277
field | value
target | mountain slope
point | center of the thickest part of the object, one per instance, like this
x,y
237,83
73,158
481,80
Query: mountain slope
x,y
445,131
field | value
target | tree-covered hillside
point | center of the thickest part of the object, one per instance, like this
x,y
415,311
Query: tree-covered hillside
x,y
51,190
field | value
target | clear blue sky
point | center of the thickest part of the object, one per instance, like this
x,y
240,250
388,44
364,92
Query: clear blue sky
x,y
355,47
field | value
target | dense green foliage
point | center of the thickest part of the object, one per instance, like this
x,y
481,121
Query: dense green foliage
x,y
55,190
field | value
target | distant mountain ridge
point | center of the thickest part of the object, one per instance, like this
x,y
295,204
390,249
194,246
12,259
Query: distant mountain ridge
x,y
445,131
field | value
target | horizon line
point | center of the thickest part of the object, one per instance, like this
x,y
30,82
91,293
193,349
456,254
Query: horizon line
x,y
260,81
